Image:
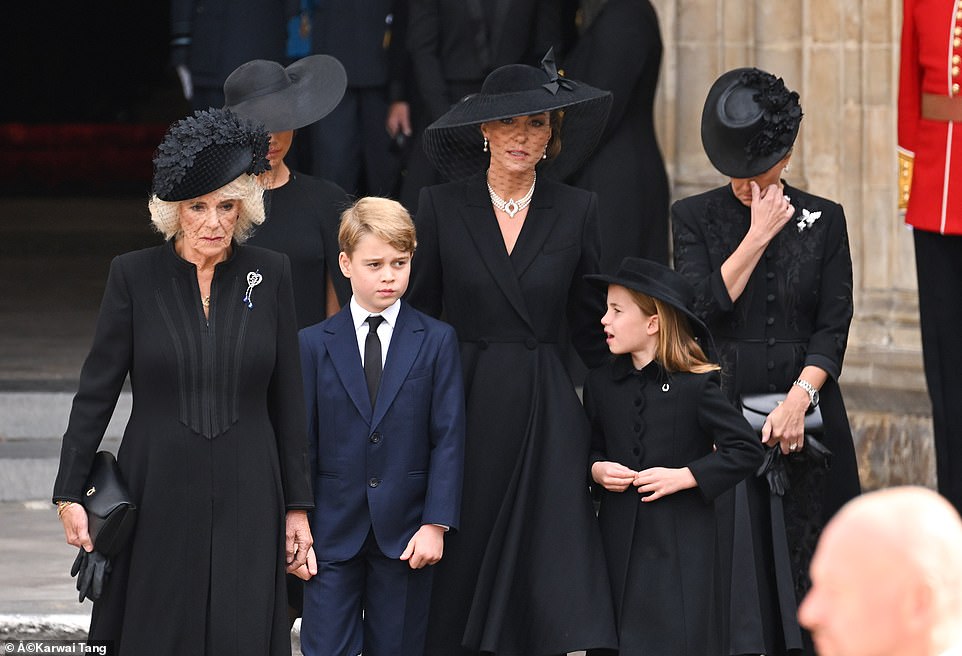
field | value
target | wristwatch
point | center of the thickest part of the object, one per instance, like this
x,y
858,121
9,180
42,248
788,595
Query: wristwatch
x,y
810,389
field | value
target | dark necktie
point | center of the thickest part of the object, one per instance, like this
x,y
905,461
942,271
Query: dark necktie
x,y
372,357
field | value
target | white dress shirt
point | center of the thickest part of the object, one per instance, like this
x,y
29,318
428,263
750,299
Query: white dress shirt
x,y
384,331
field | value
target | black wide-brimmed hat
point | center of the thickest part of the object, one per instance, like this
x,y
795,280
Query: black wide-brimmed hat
x,y
658,281
202,153
286,98
749,122
453,143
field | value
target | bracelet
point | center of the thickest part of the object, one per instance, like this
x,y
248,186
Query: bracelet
x,y
61,506
810,390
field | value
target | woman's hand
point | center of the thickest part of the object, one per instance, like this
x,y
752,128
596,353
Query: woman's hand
x,y
771,210
308,569
612,476
785,426
298,539
74,520
662,481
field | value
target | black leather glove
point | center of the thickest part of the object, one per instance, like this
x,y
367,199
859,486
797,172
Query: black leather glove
x,y
91,570
773,469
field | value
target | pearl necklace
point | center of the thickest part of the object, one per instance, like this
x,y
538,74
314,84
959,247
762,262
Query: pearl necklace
x,y
511,206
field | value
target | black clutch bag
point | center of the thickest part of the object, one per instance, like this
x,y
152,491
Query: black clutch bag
x,y
111,514
757,407
777,468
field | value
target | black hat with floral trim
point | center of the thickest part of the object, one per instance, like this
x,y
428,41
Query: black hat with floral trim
x,y
203,152
749,122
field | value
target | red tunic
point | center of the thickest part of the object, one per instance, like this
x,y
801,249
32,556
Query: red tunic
x,y
930,63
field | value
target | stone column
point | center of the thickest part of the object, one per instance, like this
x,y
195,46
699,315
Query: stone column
x,y
842,58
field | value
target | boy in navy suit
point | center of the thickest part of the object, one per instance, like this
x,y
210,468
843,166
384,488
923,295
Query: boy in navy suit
x,y
385,410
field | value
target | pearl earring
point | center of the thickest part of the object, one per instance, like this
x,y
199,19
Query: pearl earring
x,y
485,147
544,153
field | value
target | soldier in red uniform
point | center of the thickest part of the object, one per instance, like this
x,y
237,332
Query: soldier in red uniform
x,y
930,154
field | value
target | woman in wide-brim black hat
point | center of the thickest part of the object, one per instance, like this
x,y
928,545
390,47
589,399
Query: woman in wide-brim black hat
x,y
214,452
303,211
501,255
772,271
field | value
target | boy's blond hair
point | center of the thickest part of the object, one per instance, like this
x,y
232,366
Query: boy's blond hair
x,y
384,218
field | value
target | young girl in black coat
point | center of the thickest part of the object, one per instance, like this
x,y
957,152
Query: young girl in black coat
x,y
665,443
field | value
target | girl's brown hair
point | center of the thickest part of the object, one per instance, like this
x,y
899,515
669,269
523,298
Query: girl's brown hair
x,y
677,348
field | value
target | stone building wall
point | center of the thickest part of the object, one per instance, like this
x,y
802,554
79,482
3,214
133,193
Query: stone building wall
x,y
842,58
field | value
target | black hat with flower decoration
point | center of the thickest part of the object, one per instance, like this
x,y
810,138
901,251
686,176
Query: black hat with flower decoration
x,y
453,143
749,122
203,152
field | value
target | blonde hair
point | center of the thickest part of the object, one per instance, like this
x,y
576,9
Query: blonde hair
x,y
677,349
246,190
384,218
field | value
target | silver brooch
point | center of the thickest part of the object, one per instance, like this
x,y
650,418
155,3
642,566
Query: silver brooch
x,y
808,218
254,278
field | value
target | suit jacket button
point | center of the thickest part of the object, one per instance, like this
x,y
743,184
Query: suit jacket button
x,y
375,438
374,482
483,344
530,343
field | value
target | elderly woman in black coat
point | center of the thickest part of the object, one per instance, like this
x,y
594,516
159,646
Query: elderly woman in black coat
x,y
215,452
773,278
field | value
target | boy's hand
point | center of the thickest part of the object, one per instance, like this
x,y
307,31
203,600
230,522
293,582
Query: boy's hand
x,y
308,569
613,476
425,547
662,481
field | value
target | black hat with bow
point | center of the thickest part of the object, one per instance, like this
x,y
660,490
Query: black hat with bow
x,y
453,143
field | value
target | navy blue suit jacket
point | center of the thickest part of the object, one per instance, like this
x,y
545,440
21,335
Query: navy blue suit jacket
x,y
394,467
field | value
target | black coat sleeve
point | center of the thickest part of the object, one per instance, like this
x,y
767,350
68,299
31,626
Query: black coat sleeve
x,y
423,43
285,401
693,260
101,380
586,303
425,291
738,451
826,346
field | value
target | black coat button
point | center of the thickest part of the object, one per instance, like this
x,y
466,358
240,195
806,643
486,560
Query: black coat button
x,y
375,438
374,482
530,343
770,298
771,388
770,321
770,365
770,275
771,341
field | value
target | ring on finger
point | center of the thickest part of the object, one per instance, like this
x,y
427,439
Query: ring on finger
x,y
793,446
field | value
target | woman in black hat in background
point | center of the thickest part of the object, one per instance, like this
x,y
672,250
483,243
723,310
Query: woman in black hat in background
x,y
501,255
303,212
215,451
771,267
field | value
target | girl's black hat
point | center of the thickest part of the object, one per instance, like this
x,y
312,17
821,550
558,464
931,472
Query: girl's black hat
x,y
453,143
658,281
749,122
